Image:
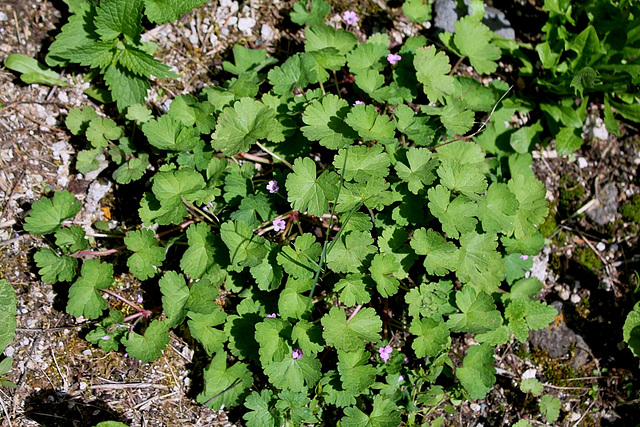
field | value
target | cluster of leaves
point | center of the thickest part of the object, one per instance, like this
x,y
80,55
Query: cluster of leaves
x,y
7,328
394,243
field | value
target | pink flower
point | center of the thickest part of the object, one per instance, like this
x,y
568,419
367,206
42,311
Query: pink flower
x,y
358,102
350,17
393,58
385,352
106,337
524,257
297,354
272,186
278,224
271,316
139,300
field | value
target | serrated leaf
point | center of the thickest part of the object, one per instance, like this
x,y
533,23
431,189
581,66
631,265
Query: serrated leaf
x,y
169,133
288,76
430,300
8,323
477,374
385,271
141,63
442,256
367,56
73,238
203,329
115,17
225,386
479,312
417,10
531,385
432,70
161,11
292,304
47,214
262,413
479,263
132,170
323,36
524,315
533,208
245,248
242,125
300,261
550,407
308,337
497,208
125,87
432,337
306,192
349,252
97,54
78,120
247,61
383,414
355,373
297,375
147,257
89,160
473,40
200,254
456,216
316,15
353,290
363,163
268,274
54,268
84,298
148,347
175,294
324,120
461,178
364,327
421,169
369,124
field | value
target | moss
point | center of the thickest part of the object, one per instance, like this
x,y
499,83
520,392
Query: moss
x,y
549,225
571,193
587,258
631,210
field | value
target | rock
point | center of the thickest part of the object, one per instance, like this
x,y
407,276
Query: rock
x,y
557,340
446,13
606,206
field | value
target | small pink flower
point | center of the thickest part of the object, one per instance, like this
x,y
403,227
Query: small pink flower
x,y
278,224
350,17
385,352
106,337
393,58
272,186
524,257
358,102
139,300
297,354
271,316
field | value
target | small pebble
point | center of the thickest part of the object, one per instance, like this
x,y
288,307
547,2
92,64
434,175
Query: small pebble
x,y
575,298
601,246
582,162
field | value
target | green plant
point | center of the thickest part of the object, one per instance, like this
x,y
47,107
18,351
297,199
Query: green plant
x,y
7,328
341,252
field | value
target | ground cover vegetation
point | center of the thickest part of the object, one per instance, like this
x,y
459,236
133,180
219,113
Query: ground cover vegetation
x,y
323,226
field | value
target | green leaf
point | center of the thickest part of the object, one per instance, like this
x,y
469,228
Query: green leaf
x,y
47,214
147,257
550,408
369,56
138,113
497,209
262,413
101,131
125,87
272,336
479,312
292,304
31,71
355,373
479,263
55,268
175,294
364,327
385,271
323,36
293,374
148,347
324,122
353,290
430,300
432,70
200,255
516,265
308,337
363,164
8,323
442,256
84,298
533,207
456,216
298,408
432,337
169,133
524,315
417,11
161,11
300,261
78,120
204,293
242,125
132,170
477,374
89,160
116,17
462,178
531,385
247,60
98,54
349,251
568,140
383,414
268,274
631,330
421,169
203,329
306,192
314,16
369,124
473,40
245,248
288,76
144,65
225,386
76,32
73,238
170,188
109,332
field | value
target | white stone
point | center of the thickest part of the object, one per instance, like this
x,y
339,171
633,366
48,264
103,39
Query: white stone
x,y
582,162
529,373
601,246
575,298
565,295
3,16
9,351
267,33
246,24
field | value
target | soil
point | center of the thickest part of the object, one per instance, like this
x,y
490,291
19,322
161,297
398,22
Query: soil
x,y
589,267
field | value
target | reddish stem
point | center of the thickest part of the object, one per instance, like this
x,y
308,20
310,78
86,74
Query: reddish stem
x,y
141,311
354,313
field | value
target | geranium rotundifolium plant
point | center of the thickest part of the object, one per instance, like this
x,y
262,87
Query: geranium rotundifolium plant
x,y
373,234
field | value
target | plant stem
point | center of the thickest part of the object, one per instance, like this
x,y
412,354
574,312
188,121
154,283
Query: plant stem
x,y
272,154
141,311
